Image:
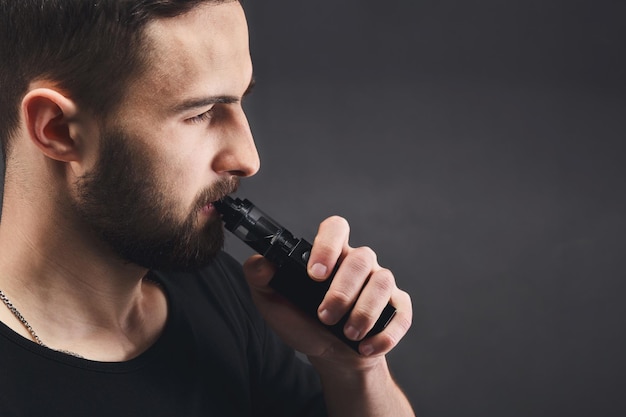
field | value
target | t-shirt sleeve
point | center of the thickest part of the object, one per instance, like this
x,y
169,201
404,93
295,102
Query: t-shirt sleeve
x,y
282,384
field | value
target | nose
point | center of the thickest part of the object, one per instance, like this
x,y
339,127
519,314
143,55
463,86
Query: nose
x,y
237,154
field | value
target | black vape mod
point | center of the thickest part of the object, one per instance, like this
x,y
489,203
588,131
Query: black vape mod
x,y
290,255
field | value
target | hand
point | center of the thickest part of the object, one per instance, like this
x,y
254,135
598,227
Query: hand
x,y
359,281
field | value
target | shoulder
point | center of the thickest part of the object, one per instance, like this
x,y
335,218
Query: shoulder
x,y
222,273
219,286
216,300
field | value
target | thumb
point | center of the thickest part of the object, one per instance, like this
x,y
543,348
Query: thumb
x,y
258,271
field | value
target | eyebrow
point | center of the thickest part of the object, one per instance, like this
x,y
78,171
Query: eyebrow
x,y
194,103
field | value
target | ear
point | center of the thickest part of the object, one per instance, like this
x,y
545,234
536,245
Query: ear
x,y
48,115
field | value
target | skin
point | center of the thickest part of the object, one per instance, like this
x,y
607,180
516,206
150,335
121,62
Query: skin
x,y
81,295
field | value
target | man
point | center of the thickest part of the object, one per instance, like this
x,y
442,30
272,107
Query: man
x,y
122,123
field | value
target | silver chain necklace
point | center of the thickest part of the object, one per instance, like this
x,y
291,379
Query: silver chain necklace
x,y
27,325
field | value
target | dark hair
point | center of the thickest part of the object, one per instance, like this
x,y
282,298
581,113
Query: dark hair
x,y
91,49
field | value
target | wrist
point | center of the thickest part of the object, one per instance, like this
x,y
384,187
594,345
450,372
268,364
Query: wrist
x,y
363,388
350,367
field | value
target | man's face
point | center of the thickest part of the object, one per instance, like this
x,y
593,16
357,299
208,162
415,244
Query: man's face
x,y
179,141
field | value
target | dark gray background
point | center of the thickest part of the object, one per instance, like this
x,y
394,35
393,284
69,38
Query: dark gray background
x,y
477,146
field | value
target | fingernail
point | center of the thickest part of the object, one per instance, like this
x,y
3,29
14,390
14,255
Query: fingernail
x,y
367,350
352,333
318,271
327,317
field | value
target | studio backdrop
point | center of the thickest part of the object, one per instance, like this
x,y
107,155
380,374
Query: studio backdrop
x,y
478,147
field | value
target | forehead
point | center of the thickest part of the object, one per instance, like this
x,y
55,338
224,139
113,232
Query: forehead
x,y
203,52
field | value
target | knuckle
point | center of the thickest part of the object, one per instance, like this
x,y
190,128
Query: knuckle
x,y
388,340
358,266
336,222
405,299
384,282
363,316
362,260
367,253
405,322
339,296
324,250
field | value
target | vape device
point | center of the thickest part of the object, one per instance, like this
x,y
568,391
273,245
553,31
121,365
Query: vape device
x,y
290,255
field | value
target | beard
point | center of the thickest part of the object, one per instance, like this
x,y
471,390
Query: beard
x,y
123,204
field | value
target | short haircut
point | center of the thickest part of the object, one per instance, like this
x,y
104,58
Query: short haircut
x,y
91,49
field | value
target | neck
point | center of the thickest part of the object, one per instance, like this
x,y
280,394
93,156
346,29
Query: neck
x,y
75,293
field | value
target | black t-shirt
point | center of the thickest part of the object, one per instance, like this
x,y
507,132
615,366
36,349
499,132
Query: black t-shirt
x,y
216,357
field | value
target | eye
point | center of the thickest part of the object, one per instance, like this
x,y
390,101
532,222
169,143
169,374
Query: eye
x,y
203,117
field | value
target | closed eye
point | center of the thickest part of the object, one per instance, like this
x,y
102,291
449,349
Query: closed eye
x,y
203,117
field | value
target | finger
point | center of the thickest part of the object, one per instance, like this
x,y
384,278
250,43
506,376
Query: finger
x,y
386,340
258,271
354,271
329,244
370,304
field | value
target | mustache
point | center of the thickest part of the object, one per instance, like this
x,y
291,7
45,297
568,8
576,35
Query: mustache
x,y
217,191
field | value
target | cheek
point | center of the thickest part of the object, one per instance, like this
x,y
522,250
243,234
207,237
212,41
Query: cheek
x,y
181,158
186,175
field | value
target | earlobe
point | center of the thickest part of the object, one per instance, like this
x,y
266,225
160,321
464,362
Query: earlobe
x,y
47,115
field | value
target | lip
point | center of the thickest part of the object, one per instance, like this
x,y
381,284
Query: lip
x,y
209,210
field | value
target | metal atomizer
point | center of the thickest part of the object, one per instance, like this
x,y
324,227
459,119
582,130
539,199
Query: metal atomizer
x,y
290,255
